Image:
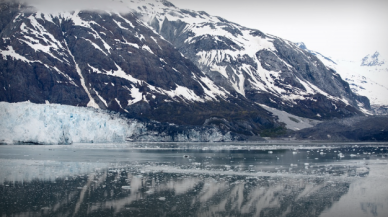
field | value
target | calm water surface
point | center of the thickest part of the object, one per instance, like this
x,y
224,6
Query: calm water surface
x,y
181,179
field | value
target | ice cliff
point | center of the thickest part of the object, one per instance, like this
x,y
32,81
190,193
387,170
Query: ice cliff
x,y
27,122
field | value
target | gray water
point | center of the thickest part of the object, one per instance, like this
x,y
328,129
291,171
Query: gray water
x,y
183,179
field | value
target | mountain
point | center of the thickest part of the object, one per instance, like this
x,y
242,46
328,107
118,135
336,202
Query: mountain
x,y
263,68
375,67
372,60
114,61
366,77
328,61
156,62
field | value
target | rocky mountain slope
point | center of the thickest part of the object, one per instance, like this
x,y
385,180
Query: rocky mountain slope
x,y
372,128
159,62
261,67
114,61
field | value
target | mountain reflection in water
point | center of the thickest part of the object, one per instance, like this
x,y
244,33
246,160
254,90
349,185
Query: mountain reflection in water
x,y
182,182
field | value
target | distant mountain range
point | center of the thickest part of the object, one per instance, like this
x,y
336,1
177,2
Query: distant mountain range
x,y
157,62
373,60
367,76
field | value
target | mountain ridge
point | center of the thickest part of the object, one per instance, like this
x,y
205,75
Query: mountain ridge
x,y
217,47
134,71
158,62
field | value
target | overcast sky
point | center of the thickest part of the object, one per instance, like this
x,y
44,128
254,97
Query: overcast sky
x,y
347,29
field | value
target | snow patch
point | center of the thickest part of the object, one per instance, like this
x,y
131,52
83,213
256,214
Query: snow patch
x,y
292,122
119,25
12,53
136,95
91,103
146,48
100,97
96,46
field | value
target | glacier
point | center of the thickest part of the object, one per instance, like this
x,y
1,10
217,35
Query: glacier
x,y
29,123
61,124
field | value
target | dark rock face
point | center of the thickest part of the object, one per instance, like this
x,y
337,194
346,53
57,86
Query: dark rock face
x,y
113,61
117,50
372,128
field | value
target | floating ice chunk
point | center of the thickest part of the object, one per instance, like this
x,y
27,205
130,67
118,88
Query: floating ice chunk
x,y
294,152
162,198
270,152
362,170
125,187
341,155
149,191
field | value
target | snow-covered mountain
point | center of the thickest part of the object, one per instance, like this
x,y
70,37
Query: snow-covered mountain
x,y
154,61
370,81
367,76
261,67
328,61
113,61
373,60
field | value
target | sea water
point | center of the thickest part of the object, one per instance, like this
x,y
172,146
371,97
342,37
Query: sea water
x,y
194,179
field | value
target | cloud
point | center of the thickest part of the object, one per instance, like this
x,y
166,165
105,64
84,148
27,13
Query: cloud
x,y
53,6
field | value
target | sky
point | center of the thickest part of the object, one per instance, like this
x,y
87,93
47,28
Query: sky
x,y
342,29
